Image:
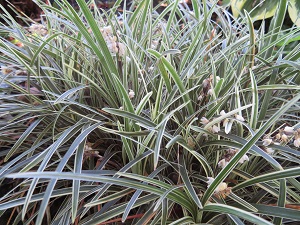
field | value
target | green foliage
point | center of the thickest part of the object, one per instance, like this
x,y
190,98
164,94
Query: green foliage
x,y
147,118
262,9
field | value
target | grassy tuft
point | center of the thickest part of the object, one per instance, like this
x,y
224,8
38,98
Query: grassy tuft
x,y
148,118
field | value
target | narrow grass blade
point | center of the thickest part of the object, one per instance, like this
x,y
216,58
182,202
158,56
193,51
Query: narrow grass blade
x,y
137,194
281,200
278,211
242,202
293,172
255,103
23,137
184,220
237,212
69,93
188,185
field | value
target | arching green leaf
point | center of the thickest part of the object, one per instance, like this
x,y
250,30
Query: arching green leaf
x,y
294,11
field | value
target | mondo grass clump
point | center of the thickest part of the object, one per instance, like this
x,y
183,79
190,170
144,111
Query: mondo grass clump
x,y
134,116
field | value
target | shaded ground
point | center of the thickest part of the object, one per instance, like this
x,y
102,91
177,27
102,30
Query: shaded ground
x,y
30,9
25,6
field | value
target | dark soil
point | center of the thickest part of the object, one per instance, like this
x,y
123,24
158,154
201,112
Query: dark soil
x,y
28,7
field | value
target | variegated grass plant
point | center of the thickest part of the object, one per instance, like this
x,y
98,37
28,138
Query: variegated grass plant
x,y
148,118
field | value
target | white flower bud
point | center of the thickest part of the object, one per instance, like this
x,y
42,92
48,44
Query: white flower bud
x,y
112,46
131,94
107,29
243,159
288,130
221,187
87,148
278,136
239,117
128,59
223,113
222,163
267,141
121,49
297,142
209,181
284,138
210,92
225,122
215,129
228,125
204,121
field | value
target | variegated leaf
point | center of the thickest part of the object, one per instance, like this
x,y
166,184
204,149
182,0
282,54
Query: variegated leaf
x,y
258,9
294,11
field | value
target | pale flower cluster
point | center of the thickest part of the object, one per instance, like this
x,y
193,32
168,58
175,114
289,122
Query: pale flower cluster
x,y
111,40
87,148
227,123
5,70
267,141
229,154
190,142
131,94
221,187
204,120
89,151
286,135
38,29
207,87
213,129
